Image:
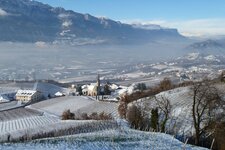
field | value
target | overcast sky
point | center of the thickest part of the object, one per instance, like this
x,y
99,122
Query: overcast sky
x,y
190,17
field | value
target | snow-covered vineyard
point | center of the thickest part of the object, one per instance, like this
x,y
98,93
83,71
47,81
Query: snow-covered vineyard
x,y
45,116
110,139
18,113
180,121
78,104
6,127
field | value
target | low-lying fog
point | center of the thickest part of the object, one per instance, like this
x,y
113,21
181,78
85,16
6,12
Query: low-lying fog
x,y
40,60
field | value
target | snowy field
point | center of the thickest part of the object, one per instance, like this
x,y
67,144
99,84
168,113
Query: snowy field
x,y
113,139
76,104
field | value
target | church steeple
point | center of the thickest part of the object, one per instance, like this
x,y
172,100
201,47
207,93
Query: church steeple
x,y
98,84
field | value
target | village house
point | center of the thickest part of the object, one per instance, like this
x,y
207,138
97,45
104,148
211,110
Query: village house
x,y
25,96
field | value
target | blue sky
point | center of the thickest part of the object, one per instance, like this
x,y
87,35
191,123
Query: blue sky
x,y
191,17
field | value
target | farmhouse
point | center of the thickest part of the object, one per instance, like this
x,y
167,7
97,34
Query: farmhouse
x,y
25,96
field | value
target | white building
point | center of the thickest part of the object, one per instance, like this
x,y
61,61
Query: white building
x,y
90,90
25,96
94,89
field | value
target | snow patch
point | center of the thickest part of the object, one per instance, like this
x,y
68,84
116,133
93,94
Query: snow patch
x,y
160,67
86,17
40,44
3,13
135,74
192,56
67,23
61,16
211,58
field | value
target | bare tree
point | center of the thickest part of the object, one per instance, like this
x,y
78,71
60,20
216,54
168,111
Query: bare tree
x,y
205,100
134,116
122,108
165,107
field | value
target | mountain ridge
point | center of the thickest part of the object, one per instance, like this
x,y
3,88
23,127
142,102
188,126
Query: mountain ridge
x,y
32,21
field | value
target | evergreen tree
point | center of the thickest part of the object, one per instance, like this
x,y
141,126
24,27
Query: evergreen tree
x,y
107,90
79,90
141,86
154,119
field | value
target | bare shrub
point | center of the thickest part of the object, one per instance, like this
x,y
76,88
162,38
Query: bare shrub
x,y
166,84
185,83
105,116
84,116
67,115
94,116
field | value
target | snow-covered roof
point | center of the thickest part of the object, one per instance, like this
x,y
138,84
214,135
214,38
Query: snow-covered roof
x,y
89,87
59,94
114,86
84,86
2,99
25,92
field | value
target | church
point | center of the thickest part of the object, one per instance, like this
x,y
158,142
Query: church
x,y
94,89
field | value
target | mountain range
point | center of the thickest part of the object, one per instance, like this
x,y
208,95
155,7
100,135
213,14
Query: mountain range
x,y
209,46
31,21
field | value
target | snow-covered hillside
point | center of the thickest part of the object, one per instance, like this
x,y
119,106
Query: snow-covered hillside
x,y
180,121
